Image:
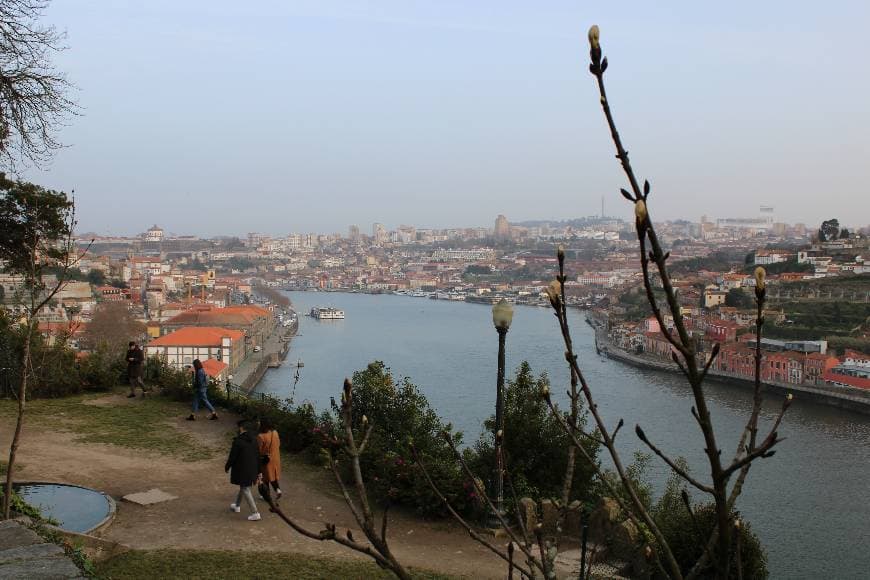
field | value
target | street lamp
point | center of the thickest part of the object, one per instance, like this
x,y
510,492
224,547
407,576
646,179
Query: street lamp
x,y
502,315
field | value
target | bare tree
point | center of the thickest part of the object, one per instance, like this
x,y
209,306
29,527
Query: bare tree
x,y
33,95
692,364
378,547
540,553
36,234
112,326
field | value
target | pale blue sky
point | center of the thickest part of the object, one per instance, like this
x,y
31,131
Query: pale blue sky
x,y
214,117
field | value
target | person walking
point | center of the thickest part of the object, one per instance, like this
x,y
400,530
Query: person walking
x,y
200,391
269,445
135,364
242,464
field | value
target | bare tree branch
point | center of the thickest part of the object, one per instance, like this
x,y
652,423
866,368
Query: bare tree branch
x,y
33,95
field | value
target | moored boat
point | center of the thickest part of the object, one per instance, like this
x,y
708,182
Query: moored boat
x,y
327,313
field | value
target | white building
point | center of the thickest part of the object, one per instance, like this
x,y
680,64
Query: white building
x,y
154,234
181,347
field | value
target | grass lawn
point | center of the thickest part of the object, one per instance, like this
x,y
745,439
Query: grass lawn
x,y
216,565
142,425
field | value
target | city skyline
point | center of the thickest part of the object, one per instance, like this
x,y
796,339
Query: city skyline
x,y
359,230
309,115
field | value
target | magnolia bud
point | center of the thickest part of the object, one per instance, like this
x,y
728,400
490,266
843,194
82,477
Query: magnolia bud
x,y
499,434
640,210
560,252
365,420
789,397
759,277
737,524
554,293
593,36
546,390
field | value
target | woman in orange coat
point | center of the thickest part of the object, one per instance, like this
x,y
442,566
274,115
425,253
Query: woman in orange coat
x,y
269,445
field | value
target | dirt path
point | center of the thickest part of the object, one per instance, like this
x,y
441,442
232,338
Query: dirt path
x,y
200,518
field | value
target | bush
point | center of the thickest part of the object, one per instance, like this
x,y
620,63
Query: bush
x,y
535,445
400,414
686,535
101,369
56,371
176,384
636,472
295,424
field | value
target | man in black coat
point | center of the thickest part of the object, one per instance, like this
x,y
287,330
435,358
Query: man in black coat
x,y
135,364
243,465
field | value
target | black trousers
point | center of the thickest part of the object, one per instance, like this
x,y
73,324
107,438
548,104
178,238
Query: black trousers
x,y
264,490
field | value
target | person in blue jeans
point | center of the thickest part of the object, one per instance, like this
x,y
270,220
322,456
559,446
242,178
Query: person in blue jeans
x,y
200,391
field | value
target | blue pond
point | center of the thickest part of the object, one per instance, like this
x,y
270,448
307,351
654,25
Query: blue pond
x,y
77,509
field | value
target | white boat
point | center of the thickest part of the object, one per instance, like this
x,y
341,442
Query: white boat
x,y
328,313
419,294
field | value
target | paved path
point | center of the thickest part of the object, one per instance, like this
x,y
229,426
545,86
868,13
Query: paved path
x,y
23,554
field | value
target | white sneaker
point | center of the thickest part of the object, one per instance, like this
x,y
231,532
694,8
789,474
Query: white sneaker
x,y
254,517
235,508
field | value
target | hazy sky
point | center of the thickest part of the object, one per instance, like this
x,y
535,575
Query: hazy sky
x,y
214,117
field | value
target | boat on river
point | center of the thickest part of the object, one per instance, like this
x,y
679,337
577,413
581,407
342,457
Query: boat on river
x,y
327,313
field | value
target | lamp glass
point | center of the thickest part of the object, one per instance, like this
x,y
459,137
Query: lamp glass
x,y
502,314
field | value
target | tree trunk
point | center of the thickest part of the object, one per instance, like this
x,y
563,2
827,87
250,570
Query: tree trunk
x,y
13,448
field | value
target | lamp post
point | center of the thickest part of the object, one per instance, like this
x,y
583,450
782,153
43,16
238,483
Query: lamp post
x,y
502,315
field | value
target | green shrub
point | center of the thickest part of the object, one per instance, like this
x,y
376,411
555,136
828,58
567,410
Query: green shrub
x,y
55,368
101,369
636,472
400,414
176,384
687,535
295,424
535,445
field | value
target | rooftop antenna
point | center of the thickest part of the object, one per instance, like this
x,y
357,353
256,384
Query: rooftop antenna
x,y
602,207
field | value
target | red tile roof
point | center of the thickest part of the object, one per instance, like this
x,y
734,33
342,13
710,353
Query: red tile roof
x,y
213,367
206,313
857,382
197,336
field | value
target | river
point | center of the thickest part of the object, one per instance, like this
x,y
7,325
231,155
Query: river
x,y
808,504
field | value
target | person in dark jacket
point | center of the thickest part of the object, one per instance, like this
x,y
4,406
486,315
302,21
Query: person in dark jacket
x,y
200,391
135,363
243,465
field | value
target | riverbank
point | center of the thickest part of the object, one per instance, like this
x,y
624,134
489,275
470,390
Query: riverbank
x,y
274,351
840,397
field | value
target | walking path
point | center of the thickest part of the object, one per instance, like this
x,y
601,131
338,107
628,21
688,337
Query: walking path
x,y
23,554
200,518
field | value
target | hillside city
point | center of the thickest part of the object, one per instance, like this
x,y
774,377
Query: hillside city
x,y
214,365
210,298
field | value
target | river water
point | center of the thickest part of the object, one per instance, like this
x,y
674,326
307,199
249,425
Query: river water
x,y
808,504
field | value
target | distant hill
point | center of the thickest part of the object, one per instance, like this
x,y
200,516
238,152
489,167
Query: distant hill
x,y
574,222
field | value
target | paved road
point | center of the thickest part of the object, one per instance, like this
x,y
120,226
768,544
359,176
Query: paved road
x,y
274,345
